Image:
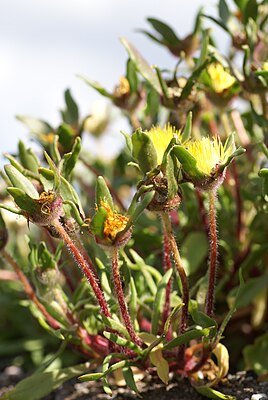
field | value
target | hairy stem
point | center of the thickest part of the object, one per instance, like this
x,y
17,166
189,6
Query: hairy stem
x,y
167,266
84,266
121,299
213,253
28,289
181,272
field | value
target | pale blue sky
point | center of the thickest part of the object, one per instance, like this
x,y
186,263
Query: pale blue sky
x,y
44,44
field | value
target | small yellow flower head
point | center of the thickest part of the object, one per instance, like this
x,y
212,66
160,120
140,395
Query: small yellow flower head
x,y
220,79
208,154
265,66
114,222
161,138
123,89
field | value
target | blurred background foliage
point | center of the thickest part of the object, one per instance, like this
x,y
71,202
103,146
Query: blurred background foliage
x,y
146,96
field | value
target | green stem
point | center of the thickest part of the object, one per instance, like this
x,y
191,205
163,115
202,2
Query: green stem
x,y
121,299
213,253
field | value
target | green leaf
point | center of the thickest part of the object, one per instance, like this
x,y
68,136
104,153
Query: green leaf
x,y
171,177
224,11
250,11
144,151
66,136
47,178
187,130
201,318
28,158
36,126
129,378
132,76
102,193
165,31
19,181
120,341
194,250
40,384
95,376
187,337
255,355
54,170
97,87
71,114
249,291
54,150
117,326
128,141
212,393
142,205
97,222
142,66
159,300
188,163
70,159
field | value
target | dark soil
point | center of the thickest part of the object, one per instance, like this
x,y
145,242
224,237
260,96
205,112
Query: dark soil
x,y
244,386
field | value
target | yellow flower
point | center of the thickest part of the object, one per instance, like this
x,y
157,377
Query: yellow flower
x,y
114,222
265,66
123,89
161,138
220,79
208,153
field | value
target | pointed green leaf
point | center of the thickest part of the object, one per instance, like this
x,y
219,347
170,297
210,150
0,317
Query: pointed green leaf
x,y
224,12
71,114
159,299
97,222
40,384
188,163
102,193
212,393
187,130
165,31
187,337
115,338
97,87
117,326
132,76
144,151
142,65
18,180
128,141
70,159
36,126
250,11
54,170
129,378
28,158
171,178
66,136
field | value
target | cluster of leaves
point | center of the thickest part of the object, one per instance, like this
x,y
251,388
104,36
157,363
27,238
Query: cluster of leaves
x,y
134,318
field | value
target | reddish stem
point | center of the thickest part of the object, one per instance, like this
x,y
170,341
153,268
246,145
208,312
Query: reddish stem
x,y
121,299
183,278
167,266
84,266
29,290
213,253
